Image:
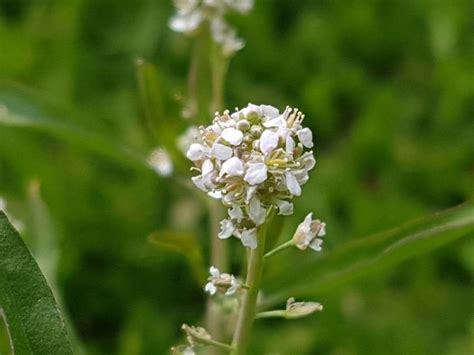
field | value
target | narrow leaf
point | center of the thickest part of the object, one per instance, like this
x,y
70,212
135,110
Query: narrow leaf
x,y
22,109
186,245
34,321
313,275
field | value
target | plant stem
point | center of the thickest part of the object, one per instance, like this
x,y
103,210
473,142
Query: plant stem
x,y
219,259
220,345
248,308
279,248
271,314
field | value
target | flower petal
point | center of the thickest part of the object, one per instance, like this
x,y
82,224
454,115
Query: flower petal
x,y
197,152
227,229
268,141
235,212
256,211
316,244
232,135
285,208
232,167
249,238
306,137
256,173
292,184
221,151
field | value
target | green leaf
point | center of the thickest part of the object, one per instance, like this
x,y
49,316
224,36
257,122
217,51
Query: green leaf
x,y
34,321
314,274
44,244
27,110
185,244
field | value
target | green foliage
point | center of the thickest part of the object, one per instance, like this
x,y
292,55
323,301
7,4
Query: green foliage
x,y
371,254
386,87
34,321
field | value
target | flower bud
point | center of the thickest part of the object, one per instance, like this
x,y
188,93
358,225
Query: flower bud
x,y
307,234
221,282
301,309
196,335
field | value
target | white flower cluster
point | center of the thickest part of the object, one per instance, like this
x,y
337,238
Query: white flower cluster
x,y
192,13
160,161
253,159
222,282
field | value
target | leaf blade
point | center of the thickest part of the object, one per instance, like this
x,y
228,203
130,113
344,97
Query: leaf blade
x,y
372,254
32,315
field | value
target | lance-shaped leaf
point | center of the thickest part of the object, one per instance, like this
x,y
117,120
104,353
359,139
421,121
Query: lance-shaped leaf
x,y
313,274
24,109
185,244
32,315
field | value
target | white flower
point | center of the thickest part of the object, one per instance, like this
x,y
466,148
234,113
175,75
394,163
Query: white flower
x,y
232,167
227,229
256,173
268,141
222,282
161,162
232,135
285,208
236,212
191,14
197,152
307,234
249,238
306,137
221,151
292,184
188,137
256,212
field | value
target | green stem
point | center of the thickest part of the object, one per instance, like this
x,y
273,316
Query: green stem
x,y
220,345
243,330
279,248
219,259
271,314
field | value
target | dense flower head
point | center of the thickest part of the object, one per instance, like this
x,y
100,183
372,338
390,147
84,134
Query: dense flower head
x,y
191,14
253,159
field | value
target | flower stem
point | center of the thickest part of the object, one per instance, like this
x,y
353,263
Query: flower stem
x,y
219,259
271,314
279,248
220,345
248,308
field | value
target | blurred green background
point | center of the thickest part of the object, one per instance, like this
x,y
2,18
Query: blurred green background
x,y
388,89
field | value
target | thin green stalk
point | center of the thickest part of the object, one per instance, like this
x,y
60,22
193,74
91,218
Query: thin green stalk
x,y
220,345
219,259
279,248
271,314
243,330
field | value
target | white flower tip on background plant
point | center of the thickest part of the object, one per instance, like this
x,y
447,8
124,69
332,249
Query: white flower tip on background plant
x,y
301,309
160,161
224,283
253,159
309,234
190,14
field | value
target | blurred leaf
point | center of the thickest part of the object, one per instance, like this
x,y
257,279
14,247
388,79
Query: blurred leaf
x,y
44,242
32,315
156,119
371,254
185,244
26,110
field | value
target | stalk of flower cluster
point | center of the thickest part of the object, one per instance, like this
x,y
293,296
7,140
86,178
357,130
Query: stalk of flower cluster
x,y
247,313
